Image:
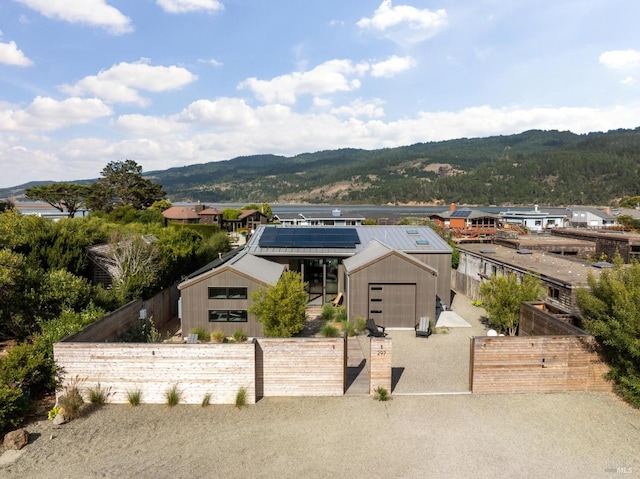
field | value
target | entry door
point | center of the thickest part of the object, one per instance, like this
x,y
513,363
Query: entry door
x,y
393,305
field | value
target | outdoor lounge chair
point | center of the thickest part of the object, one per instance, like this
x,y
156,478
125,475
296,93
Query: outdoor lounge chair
x,y
192,338
424,327
375,330
337,301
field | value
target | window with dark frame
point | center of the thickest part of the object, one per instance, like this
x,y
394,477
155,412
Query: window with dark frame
x,y
227,316
219,292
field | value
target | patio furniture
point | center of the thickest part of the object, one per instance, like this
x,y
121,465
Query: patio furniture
x,y
375,330
192,338
424,327
337,301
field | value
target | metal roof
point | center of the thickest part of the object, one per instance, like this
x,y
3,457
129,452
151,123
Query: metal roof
x,y
374,250
420,239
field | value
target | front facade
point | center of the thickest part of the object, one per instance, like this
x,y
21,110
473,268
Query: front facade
x,y
336,218
535,220
404,269
467,224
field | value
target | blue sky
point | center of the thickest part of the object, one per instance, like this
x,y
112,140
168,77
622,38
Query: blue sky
x,y
178,82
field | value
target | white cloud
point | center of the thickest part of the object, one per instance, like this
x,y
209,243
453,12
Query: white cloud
x,y
359,108
620,59
121,82
146,125
391,66
223,113
404,24
96,13
10,54
629,81
329,77
48,114
185,6
210,61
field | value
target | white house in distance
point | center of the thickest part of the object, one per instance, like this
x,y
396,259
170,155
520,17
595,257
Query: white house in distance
x,y
336,218
536,219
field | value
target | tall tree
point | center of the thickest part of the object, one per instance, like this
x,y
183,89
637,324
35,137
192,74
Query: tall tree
x,y
611,313
61,196
122,184
281,308
502,295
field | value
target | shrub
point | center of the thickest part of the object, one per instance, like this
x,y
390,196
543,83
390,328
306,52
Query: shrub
x,y
328,312
134,397
218,336
381,394
329,331
53,412
241,398
360,324
349,328
71,400
98,394
13,405
173,395
239,336
203,334
206,400
340,313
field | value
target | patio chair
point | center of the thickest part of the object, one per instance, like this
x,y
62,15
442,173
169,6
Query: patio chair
x,y
337,301
375,330
424,327
192,338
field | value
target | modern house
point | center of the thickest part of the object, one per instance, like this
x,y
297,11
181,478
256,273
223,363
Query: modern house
x,y
336,218
536,220
394,274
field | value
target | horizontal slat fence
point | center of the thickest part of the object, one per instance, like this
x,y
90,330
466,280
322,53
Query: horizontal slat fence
x,y
195,369
536,364
300,366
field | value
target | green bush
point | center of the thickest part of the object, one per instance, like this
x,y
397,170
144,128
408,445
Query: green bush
x,y
329,331
71,399
360,325
239,336
134,397
97,394
382,394
328,312
173,395
218,336
13,406
203,334
340,313
349,328
30,368
241,398
206,400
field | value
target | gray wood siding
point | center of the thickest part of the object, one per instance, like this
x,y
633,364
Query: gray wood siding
x,y
441,262
389,271
196,305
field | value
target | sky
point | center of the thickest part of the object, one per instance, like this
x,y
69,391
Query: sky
x,y
177,82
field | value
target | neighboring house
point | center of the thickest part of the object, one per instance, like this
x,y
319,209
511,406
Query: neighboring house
x,y
536,220
552,243
395,274
589,217
180,214
219,299
210,216
467,223
248,219
336,218
608,243
560,276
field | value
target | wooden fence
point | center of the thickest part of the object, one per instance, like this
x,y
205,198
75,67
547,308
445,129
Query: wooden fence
x,y
380,364
536,364
265,367
195,369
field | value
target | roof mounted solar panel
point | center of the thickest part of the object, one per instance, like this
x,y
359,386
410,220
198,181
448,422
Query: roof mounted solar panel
x,y
319,237
460,213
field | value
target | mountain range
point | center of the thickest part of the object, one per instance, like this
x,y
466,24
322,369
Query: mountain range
x,y
544,167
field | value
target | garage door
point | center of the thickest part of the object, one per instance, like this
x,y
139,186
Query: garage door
x,y
393,305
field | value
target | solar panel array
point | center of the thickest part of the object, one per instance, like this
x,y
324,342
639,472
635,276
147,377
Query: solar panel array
x,y
460,213
309,238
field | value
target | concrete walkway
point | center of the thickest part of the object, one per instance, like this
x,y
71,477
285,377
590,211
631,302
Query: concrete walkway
x,y
357,368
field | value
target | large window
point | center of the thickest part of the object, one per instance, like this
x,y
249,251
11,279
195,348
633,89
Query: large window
x,y
227,316
227,293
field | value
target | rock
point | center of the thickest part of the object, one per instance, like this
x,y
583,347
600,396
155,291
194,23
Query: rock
x,y
16,439
61,418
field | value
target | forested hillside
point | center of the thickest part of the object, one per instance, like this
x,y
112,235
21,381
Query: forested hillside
x,y
547,167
